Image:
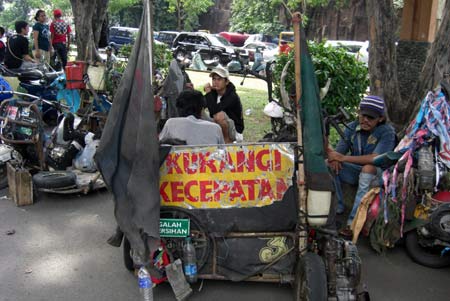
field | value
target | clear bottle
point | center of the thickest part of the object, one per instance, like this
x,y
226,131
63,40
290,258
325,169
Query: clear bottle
x,y
145,284
190,261
426,168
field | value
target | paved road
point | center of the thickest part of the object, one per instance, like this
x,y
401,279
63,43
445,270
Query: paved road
x,y
58,252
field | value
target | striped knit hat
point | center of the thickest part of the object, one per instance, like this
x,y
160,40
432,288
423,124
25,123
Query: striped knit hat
x,y
372,106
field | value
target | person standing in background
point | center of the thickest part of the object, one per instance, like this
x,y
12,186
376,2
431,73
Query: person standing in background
x,y
60,37
41,38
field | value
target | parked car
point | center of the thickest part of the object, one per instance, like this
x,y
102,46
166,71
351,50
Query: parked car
x,y
167,37
250,48
209,46
358,49
119,36
259,37
235,38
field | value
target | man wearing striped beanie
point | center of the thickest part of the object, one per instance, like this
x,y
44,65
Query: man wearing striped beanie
x,y
352,160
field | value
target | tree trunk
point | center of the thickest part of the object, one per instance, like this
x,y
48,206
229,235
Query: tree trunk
x,y
383,58
338,22
88,19
436,64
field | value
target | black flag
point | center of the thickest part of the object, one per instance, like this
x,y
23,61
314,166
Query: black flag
x,y
128,153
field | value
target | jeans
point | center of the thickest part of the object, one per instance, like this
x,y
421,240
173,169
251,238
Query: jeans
x,y
60,50
351,174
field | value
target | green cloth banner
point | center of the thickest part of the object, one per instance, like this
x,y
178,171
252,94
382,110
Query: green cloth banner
x,y
316,170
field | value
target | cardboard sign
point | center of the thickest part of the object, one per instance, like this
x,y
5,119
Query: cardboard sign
x,y
232,176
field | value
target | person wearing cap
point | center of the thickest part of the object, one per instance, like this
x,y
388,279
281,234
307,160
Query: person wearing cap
x,y
60,37
41,38
352,160
190,127
224,105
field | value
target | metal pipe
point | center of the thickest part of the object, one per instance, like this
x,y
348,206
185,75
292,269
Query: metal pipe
x,y
258,234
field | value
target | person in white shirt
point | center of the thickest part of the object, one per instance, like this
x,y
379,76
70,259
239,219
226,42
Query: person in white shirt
x,y
190,127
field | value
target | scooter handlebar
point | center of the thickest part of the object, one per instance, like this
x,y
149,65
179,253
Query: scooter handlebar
x,y
57,105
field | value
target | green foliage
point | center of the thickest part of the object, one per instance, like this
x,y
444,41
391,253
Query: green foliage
x,y
349,78
21,9
163,20
256,16
125,12
188,11
161,56
115,6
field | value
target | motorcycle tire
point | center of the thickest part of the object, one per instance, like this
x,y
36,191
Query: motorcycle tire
x,y
54,179
310,279
429,257
3,177
439,219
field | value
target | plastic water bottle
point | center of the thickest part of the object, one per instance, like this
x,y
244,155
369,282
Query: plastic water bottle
x,y
426,168
190,261
145,284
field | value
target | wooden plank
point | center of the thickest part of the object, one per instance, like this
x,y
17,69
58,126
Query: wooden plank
x,y
407,20
20,185
11,171
419,20
25,188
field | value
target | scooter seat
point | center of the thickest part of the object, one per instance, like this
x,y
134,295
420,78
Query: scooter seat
x,y
29,75
22,75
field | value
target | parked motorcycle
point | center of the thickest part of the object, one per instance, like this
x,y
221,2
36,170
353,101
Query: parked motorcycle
x,y
22,129
199,64
421,211
259,65
37,82
238,62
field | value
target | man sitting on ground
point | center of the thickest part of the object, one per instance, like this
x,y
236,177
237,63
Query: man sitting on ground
x,y
190,127
224,105
367,138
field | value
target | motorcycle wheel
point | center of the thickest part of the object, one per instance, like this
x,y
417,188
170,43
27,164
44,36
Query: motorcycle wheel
x,y
310,279
200,238
429,257
3,177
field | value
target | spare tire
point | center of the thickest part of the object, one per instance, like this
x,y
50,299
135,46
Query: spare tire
x,y
54,179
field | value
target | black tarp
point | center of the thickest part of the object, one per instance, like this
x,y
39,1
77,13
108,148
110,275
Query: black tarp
x,y
128,153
